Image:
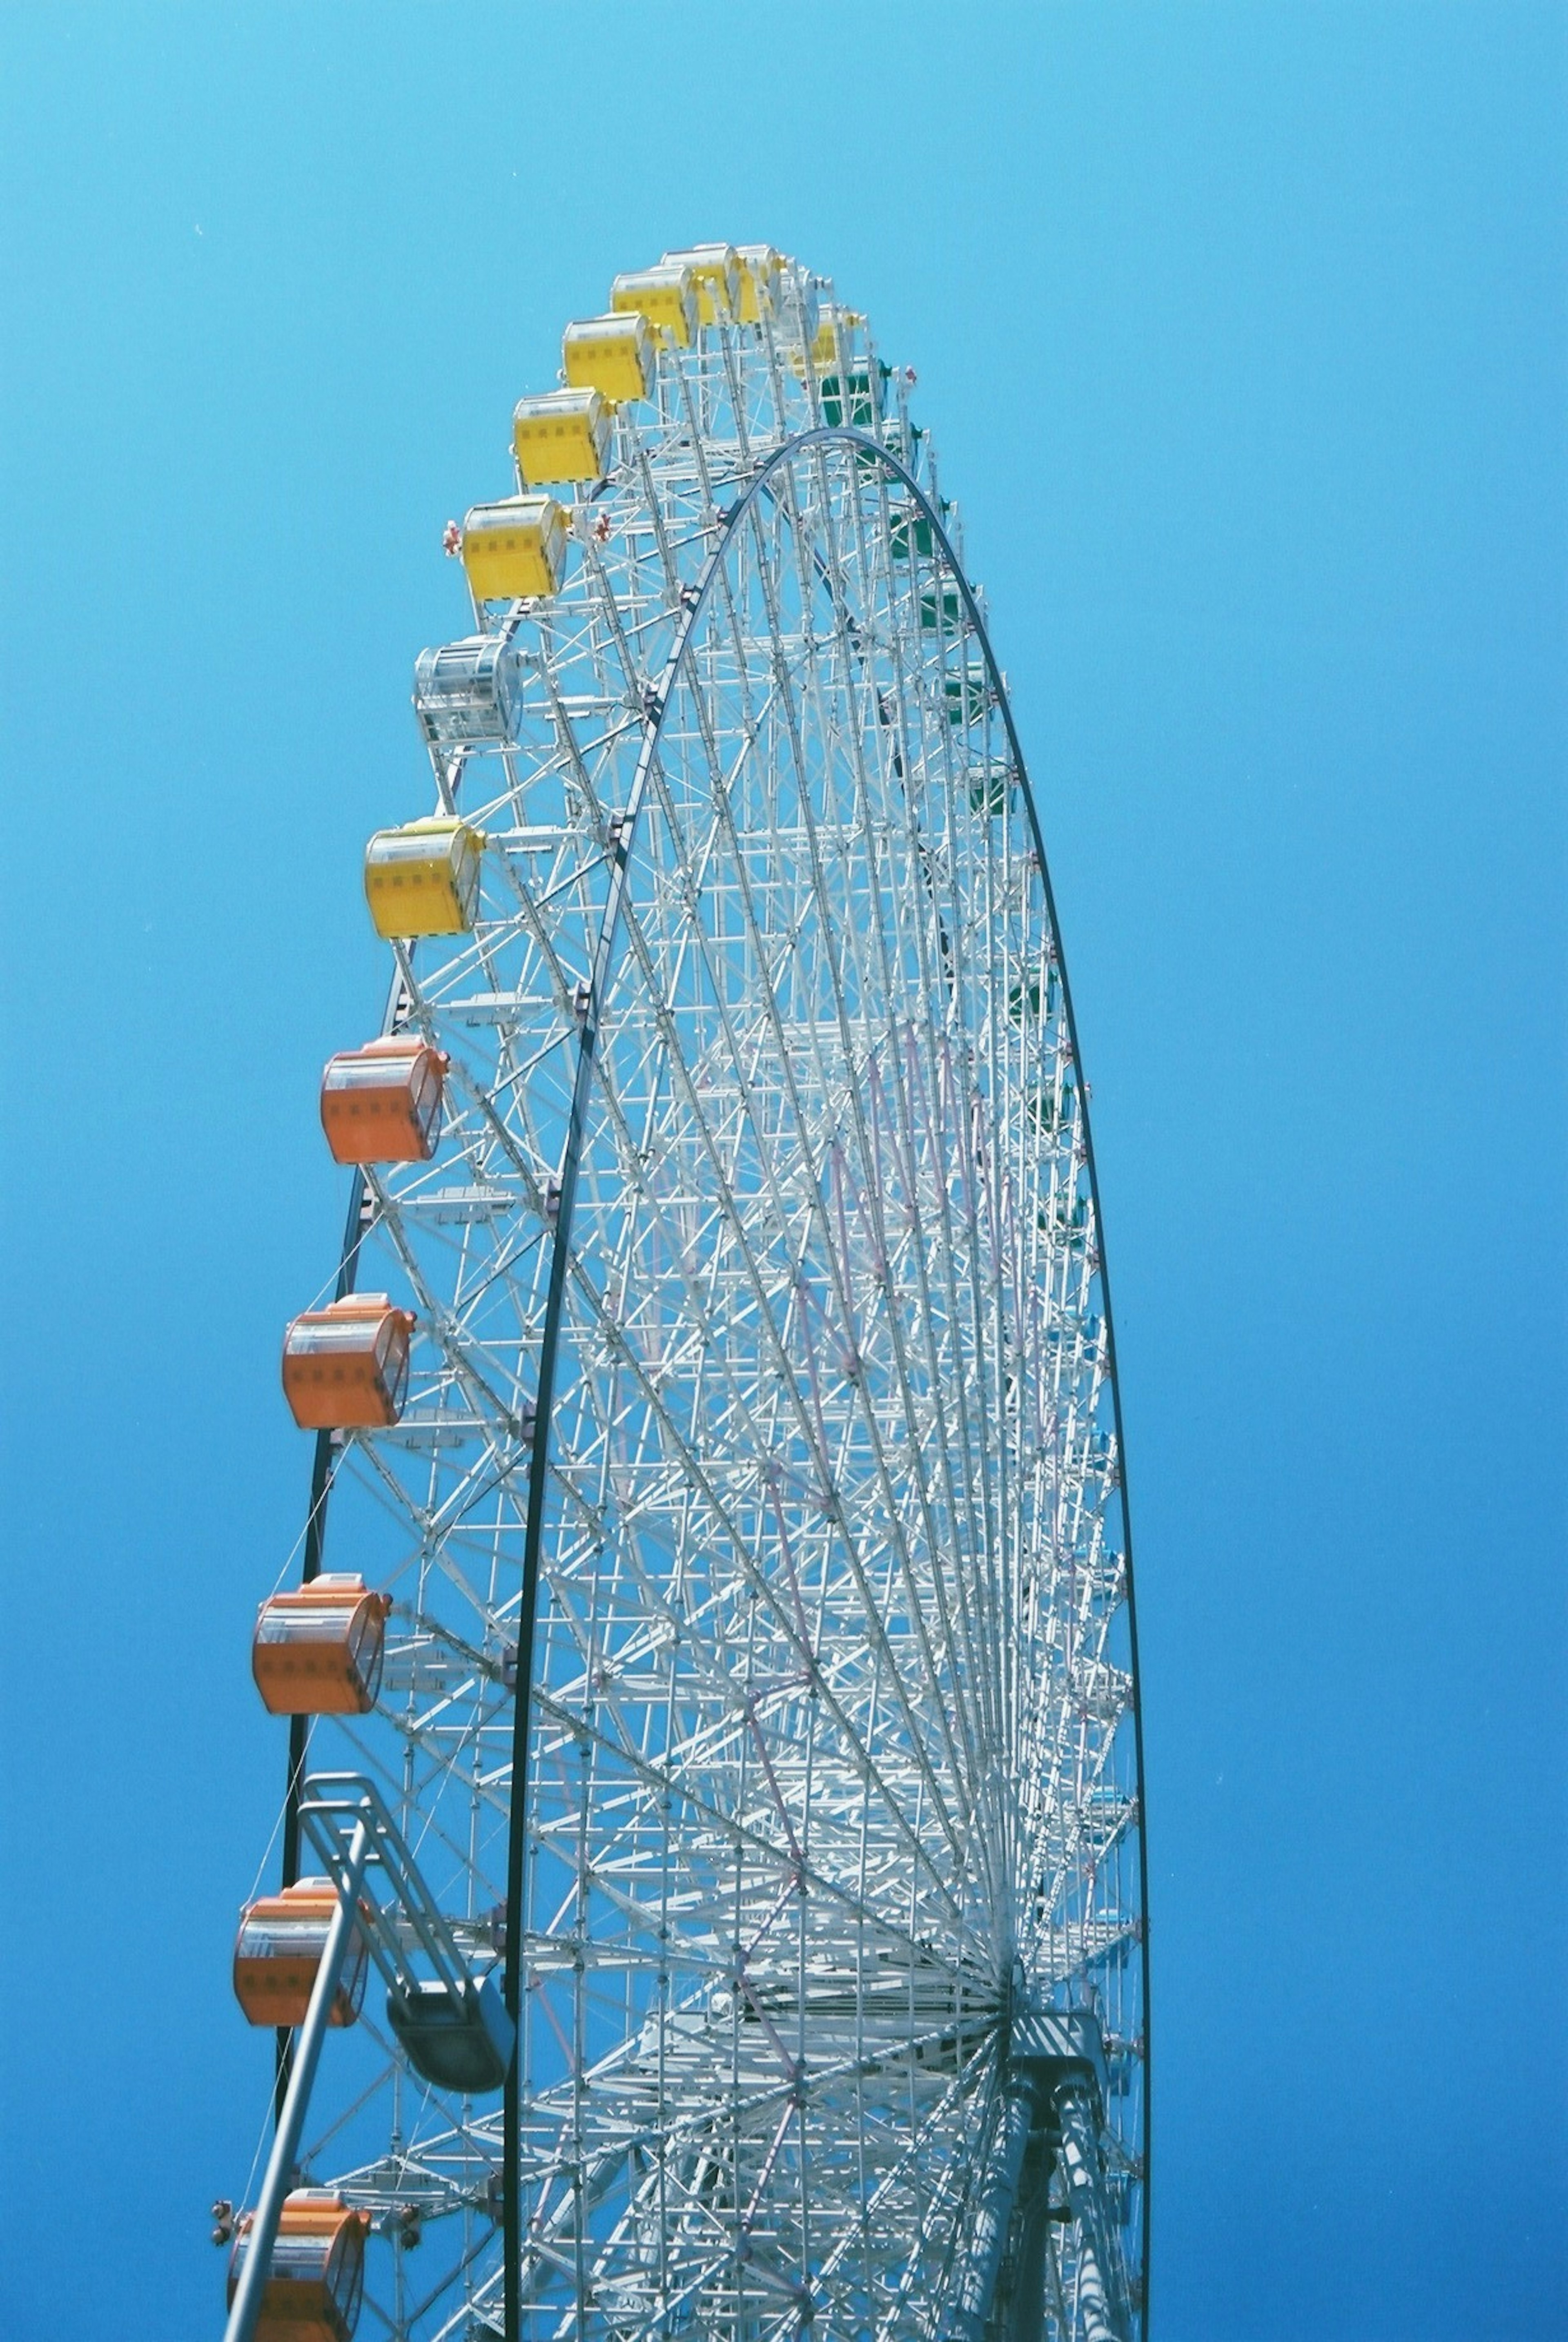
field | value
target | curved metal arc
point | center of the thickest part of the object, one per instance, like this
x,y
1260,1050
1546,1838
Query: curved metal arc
x,y
321,1477
976,619
695,604
533,1531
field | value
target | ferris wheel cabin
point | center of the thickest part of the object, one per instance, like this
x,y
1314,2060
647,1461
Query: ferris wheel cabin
x,y
516,550
564,434
666,297
612,355
317,1649
422,879
317,2281
383,1103
345,1367
278,1954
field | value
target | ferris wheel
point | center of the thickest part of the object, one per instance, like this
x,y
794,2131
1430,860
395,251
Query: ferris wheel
x,y
712,1896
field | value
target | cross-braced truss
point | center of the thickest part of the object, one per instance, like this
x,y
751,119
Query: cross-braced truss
x,y
760,1690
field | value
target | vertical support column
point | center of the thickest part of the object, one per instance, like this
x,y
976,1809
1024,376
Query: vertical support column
x,y
993,2218
1031,2271
1055,2085
263,2229
1103,2311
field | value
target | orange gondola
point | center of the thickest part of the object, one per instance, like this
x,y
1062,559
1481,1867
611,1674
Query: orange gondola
x,y
277,1955
381,1103
316,2280
317,1648
345,1367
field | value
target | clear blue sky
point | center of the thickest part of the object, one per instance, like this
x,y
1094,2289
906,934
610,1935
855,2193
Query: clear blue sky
x,y
1242,333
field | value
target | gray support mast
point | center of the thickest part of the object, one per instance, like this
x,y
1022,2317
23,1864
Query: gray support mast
x,y
1053,2086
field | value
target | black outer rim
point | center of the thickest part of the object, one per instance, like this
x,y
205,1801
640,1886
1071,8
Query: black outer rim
x,y
695,602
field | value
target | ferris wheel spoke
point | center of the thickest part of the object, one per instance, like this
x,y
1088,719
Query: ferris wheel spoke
x,y
952,1479
921,1416
439,1443
759,1294
736,1058
672,1778
852,932
930,2237
873,1781
868,1197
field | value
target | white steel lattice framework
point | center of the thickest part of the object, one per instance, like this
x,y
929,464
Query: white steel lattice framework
x,y
760,1700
